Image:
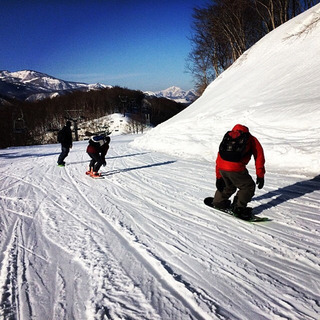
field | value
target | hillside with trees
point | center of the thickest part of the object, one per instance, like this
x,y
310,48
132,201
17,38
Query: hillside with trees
x,y
27,123
225,29
222,32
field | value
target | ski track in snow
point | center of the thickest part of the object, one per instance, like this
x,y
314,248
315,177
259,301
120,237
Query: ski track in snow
x,y
140,243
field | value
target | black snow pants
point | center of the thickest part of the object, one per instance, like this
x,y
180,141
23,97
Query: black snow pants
x,y
96,161
236,180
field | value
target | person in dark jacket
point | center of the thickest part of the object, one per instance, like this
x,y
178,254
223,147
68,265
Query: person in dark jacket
x,y
65,138
232,176
97,150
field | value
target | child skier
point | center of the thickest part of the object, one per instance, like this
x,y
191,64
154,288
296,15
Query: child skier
x,y
97,150
235,152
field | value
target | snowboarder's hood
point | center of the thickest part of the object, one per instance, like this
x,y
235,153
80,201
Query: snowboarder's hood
x,y
240,127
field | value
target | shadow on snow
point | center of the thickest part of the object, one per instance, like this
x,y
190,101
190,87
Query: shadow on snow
x,y
284,194
109,158
109,173
17,155
128,155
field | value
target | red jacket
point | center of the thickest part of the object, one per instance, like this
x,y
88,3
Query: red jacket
x,y
102,150
253,148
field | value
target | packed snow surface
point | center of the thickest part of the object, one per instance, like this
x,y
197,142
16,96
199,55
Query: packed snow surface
x,y
140,244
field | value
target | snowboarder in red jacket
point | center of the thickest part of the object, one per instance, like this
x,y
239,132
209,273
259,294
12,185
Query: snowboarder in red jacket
x,y
97,150
233,175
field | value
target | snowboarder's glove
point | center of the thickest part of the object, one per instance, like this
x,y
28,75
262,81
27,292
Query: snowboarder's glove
x,y
220,184
104,163
260,182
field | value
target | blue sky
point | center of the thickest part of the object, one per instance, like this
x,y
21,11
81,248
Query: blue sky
x,y
135,44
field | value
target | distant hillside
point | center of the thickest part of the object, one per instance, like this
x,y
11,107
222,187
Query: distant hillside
x,y
28,122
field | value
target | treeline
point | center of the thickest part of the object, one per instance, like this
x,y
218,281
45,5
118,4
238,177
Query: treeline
x,y
225,29
27,123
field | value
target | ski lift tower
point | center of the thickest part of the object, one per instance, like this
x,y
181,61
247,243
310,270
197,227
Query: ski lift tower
x,y
19,124
74,116
124,102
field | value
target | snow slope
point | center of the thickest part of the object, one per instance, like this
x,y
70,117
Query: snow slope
x,y
115,123
140,244
273,88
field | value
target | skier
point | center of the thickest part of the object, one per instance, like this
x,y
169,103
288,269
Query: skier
x,y
97,150
232,174
65,138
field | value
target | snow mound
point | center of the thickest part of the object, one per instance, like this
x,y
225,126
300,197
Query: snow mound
x,y
272,88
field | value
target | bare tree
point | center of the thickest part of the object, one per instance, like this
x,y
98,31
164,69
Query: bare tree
x,y
224,29
222,32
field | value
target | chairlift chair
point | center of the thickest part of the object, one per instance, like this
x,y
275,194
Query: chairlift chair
x,y
19,125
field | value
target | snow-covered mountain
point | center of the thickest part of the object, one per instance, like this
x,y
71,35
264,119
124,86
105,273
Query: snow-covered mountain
x,y
32,85
176,94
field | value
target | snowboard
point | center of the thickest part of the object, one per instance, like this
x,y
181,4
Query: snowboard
x,y
90,176
208,202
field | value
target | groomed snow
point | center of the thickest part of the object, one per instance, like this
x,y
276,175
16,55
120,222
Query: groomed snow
x,y
140,243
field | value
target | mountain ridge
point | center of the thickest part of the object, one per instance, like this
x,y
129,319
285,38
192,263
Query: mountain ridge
x,y
31,85
176,94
